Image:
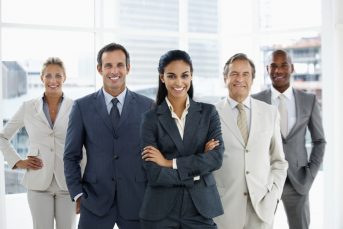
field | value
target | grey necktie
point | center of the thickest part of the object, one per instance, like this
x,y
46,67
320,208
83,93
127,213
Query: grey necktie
x,y
114,113
283,115
242,122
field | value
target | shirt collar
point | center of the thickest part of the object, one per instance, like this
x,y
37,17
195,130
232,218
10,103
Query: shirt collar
x,y
109,97
288,93
44,99
233,103
170,106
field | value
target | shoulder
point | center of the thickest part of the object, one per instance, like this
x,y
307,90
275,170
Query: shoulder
x,y
140,98
263,105
87,98
304,95
260,95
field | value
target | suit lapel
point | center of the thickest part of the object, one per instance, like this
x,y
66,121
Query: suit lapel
x,y
39,111
229,121
66,103
101,108
192,124
255,117
169,126
297,102
128,105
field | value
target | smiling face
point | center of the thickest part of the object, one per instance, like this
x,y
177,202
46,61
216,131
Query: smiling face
x,y
239,80
113,71
53,78
280,69
177,78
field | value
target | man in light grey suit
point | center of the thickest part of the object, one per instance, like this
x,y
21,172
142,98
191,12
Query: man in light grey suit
x,y
301,112
254,169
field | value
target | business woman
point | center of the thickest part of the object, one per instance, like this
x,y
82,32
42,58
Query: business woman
x,y
45,120
181,191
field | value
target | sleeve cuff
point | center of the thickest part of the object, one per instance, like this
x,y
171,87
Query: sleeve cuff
x,y
174,164
77,196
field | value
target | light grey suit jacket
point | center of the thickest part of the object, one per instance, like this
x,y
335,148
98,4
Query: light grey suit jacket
x,y
302,169
45,143
258,168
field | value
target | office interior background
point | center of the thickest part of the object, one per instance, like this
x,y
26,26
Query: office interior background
x,y
211,31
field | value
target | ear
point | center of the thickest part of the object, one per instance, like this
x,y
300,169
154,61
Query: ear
x,y
98,68
292,68
128,67
161,78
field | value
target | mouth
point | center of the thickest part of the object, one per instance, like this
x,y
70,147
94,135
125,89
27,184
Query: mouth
x,y
53,86
278,78
113,78
178,89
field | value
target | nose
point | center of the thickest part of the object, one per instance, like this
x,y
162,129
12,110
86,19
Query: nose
x,y
114,70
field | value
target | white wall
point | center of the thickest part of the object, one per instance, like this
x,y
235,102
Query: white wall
x,y
332,58
2,171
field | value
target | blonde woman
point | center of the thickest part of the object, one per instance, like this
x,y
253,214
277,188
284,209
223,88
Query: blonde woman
x,y
45,120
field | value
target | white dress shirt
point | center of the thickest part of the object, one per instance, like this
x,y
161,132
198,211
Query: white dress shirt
x,y
290,103
247,108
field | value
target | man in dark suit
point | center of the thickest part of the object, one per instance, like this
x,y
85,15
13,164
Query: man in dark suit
x,y
298,111
106,123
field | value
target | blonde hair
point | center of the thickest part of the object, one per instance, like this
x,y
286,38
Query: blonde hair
x,y
53,61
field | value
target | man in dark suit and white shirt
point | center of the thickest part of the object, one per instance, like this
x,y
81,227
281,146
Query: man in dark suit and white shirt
x,y
299,111
106,123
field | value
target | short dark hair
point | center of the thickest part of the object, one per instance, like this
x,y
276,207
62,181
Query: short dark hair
x,y
239,56
112,47
165,59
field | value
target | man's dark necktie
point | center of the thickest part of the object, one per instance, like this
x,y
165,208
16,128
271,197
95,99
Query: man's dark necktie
x,y
114,113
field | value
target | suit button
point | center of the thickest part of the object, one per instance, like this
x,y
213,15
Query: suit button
x,y
246,151
245,193
247,172
113,179
115,157
115,137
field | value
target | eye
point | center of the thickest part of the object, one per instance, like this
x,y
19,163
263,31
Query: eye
x,y
120,65
58,76
185,76
107,66
48,76
233,74
170,76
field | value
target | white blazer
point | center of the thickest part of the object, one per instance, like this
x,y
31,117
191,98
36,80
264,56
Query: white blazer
x,y
259,168
45,143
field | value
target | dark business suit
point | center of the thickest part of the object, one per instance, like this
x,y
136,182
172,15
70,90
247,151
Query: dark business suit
x,y
113,175
168,188
301,171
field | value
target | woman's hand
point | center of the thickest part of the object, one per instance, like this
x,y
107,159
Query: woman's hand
x,y
211,144
152,154
30,163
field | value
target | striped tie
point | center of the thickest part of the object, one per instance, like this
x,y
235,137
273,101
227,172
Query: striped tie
x,y
242,122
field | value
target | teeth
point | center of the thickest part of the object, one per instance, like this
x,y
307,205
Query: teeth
x,y
178,89
114,77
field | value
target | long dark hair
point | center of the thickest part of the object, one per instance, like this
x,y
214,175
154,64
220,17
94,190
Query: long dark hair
x,y
166,59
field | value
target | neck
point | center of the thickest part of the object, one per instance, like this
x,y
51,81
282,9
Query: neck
x,y
179,104
52,98
238,99
281,89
